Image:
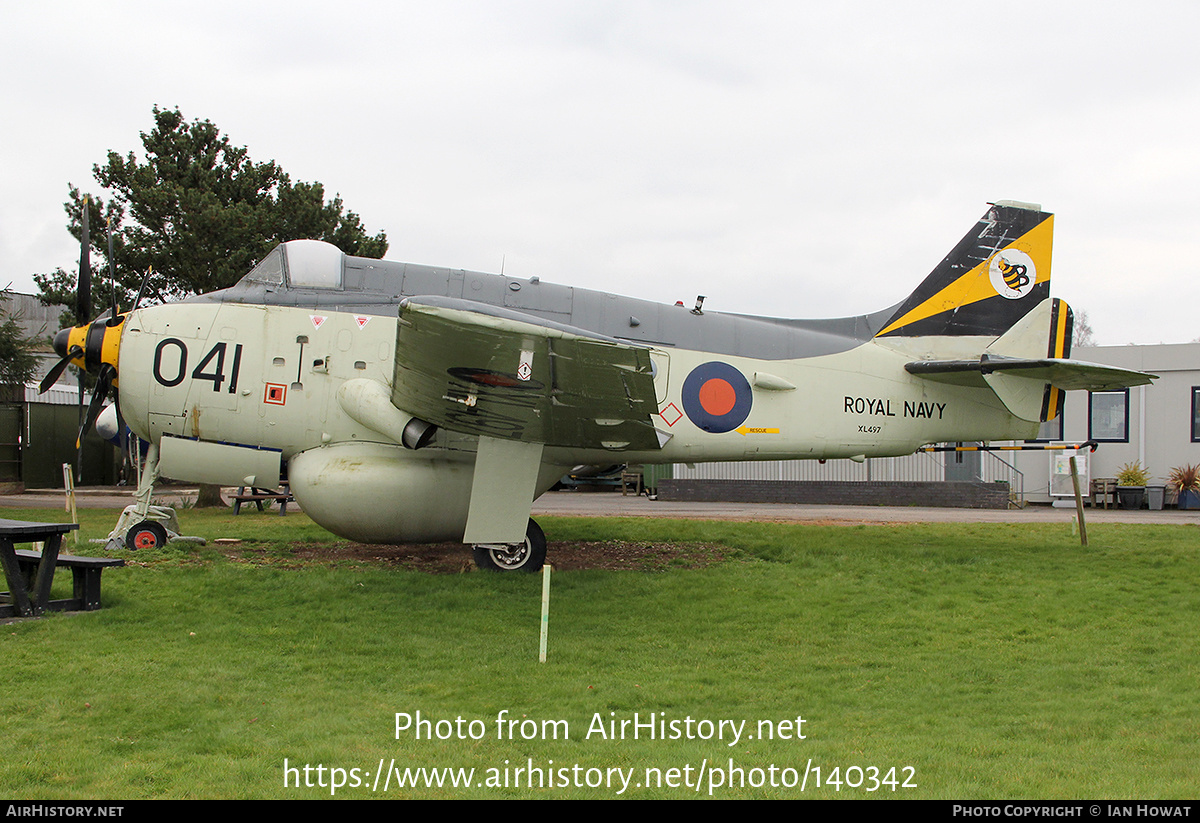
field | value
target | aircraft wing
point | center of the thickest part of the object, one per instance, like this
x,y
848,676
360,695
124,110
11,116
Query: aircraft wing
x,y
493,372
1069,375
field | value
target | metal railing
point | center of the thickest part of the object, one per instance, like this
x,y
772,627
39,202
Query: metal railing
x,y
996,469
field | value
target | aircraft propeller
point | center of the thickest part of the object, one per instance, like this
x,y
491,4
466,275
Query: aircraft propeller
x,y
92,346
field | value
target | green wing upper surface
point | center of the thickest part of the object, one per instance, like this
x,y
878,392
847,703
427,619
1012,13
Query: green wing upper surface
x,y
488,371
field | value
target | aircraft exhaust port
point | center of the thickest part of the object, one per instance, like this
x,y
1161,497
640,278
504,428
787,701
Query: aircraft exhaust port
x,y
418,434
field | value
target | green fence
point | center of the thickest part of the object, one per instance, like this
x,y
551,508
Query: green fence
x,y
44,440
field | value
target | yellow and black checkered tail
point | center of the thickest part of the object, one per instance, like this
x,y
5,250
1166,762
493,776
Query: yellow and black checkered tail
x,y
997,274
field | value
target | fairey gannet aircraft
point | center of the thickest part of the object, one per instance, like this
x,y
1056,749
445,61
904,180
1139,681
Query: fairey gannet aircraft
x,y
447,421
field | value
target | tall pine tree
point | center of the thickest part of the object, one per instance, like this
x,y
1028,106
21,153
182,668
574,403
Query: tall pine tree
x,y
17,360
198,211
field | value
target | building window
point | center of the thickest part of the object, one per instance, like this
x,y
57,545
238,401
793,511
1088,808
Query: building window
x,y
1108,416
1196,414
1051,431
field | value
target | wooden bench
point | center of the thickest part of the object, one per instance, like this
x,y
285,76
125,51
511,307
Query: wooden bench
x,y
85,572
30,574
1106,489
260,496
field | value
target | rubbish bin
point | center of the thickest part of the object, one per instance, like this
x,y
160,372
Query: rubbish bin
x,y
1131,497
1154,497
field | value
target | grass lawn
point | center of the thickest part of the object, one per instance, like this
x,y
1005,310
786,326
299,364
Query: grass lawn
x,y
966,661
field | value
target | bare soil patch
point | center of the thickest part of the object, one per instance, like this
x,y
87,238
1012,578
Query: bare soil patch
x,y
455,558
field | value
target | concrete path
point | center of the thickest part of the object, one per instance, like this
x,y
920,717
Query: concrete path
x,y
611,504
94,497
585,504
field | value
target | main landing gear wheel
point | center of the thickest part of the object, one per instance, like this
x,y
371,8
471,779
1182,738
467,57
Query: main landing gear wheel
x,y
516,557
146,535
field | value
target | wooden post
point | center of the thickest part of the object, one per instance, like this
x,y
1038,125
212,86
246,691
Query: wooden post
x,y
1078,502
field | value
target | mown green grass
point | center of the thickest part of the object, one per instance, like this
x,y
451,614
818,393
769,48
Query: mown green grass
x,y
998,661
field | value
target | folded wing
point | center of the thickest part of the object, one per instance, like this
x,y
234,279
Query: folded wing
x,y
493,372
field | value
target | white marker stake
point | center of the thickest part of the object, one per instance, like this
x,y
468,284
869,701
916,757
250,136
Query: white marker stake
x,y
545,610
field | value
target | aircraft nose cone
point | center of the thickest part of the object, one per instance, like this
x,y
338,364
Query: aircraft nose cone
x,y
61,341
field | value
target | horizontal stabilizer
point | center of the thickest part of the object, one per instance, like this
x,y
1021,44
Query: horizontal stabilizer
x,y
1029,366
1030,389
1038,348
1068,375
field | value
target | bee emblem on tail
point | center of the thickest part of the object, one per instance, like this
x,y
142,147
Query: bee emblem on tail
x,y
1012,273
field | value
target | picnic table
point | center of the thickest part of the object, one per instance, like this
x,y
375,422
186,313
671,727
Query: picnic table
x,y
30,574
259,496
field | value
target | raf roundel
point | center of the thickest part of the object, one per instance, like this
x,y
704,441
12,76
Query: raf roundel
x,y
716,397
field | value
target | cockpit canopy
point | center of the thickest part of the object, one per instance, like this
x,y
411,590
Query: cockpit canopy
x,y
301,264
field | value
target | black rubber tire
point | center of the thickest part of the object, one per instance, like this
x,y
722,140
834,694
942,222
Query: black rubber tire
x,y
146,535
528,557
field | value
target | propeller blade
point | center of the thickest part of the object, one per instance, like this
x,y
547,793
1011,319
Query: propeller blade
x,y
112,271
56,371
83,292
137,301
103,383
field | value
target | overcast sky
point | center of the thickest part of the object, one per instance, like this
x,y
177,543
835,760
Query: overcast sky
x,y
783,158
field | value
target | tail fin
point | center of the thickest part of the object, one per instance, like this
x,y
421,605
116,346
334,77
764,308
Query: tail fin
x,y
995,276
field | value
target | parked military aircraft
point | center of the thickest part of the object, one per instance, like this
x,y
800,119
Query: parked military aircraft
x,y
414,403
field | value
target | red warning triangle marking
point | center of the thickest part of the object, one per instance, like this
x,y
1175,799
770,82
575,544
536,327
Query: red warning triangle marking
x,y
361,321
317,320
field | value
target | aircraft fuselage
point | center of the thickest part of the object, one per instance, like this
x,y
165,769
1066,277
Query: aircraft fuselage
x,y
414,403
266,378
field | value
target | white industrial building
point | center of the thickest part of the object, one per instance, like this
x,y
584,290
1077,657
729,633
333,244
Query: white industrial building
x,y
1157,425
